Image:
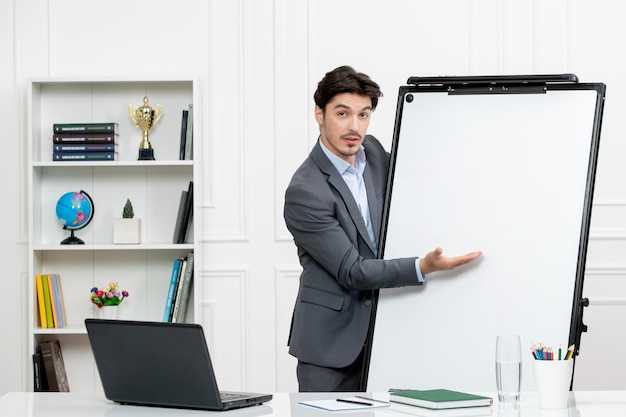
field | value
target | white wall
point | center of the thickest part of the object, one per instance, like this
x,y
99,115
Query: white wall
x,y
258,62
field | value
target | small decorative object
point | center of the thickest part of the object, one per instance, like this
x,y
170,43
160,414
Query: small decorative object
x,y
127,230
75,211
108,299
145,117
127,211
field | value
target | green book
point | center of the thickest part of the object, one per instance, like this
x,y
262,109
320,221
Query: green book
x,y
47,301
439,399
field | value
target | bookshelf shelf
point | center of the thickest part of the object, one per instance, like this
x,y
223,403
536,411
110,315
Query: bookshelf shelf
x,y
113,164
154,188
68,330
112,247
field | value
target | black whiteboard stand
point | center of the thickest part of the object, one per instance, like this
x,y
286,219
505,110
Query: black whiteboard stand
x,y
503,164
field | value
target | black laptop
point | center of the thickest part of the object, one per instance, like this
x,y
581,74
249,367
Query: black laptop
x,y
160,364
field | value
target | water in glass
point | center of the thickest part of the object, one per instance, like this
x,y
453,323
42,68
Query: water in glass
x,y
508,380
508,368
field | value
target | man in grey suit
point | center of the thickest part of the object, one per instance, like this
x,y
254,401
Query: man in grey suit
x,y
333,209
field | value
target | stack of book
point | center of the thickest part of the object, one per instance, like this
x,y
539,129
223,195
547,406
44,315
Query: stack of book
x,y
179,290
49,368
84,141
440,402
50,301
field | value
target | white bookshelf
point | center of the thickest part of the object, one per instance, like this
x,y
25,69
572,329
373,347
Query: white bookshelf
x,y
154,187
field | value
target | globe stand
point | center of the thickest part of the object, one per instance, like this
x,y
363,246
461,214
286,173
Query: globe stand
x,y
72,240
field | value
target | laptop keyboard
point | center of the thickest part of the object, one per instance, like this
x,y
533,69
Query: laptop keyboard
x,y
229,396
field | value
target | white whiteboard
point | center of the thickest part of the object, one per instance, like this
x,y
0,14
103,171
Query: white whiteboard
x,y
503,173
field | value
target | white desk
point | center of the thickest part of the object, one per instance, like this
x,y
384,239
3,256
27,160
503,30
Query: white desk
x,y
582,404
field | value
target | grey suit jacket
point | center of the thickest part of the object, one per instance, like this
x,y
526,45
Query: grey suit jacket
x,y
340,273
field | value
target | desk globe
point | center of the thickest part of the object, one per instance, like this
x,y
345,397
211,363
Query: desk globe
x,y
75,211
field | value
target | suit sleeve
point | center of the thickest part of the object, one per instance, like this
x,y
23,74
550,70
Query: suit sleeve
x,y
321,229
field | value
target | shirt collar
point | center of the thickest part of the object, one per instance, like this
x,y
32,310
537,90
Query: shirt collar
x,y
341,165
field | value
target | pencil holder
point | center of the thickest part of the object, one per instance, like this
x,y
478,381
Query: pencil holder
x,y
553,379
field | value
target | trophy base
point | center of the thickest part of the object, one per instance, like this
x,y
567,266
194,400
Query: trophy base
x,y
146,155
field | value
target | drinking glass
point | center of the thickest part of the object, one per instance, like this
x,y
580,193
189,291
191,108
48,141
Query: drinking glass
x,y
508,368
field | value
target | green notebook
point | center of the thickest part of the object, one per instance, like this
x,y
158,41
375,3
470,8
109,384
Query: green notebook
x,y
440,399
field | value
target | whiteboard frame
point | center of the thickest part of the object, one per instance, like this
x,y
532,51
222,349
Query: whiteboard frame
x,y
516,87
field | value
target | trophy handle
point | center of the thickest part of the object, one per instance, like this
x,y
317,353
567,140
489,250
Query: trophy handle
x,y
131,113
158,112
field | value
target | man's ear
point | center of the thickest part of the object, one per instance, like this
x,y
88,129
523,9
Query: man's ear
x,y
319,115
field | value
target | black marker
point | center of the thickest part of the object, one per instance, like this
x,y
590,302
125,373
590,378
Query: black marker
x,y
371,399
343,400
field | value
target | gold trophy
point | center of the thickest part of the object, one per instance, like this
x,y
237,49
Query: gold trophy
x,y
145,117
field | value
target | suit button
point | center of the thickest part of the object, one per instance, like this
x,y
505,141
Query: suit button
x,y
368,302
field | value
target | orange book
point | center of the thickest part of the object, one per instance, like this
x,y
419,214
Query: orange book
x,y
41,302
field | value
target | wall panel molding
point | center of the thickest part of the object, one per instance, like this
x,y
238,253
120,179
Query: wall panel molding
x,y
597,268
292,100
226,219
602,301
223,304
286,283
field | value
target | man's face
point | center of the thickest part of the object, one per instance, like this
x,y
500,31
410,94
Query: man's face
x,y
344,123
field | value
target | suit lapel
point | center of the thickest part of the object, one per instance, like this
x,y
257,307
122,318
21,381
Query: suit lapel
x,y
374,204
337,182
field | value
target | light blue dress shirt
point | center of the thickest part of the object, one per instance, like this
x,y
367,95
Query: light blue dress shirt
x,y
353,176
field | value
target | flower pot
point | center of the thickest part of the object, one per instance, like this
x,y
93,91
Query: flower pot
x,y
126,231
108,312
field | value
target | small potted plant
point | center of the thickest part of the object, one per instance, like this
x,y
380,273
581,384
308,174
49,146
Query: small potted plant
x,y
127,230
107,299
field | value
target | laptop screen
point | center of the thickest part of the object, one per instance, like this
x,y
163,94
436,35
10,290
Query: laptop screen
x,y
154,363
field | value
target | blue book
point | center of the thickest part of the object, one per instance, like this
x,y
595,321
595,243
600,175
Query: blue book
x,y
169,302
84,147
85,156
56,290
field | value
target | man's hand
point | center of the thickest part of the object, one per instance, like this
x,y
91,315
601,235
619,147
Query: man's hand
x,y
435,261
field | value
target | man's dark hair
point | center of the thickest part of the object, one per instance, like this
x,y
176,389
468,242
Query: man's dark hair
x,y
345,80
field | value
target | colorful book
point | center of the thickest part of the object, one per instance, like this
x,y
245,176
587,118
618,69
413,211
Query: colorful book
x,y
183,299
74,138
85,156
169,301
61,299
104,127
46,297
58,310
439,399
54,366
179,289
84,147
53,300
41,302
